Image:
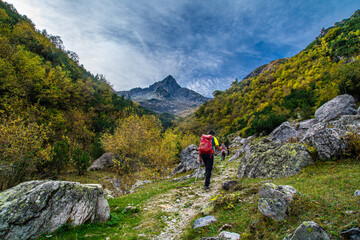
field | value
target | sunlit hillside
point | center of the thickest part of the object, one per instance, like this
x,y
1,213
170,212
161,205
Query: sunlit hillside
x,y
292,89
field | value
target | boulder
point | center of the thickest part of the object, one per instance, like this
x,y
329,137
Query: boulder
x,y
197,174
33,208
103,162
357,193
351,234
267,159
308,230
284,133
328,142
229,235
205,221
335,108
229,185
274,200
189,160
305,125
236,155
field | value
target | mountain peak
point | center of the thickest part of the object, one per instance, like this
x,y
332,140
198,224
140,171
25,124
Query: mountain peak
x,y
169,84
166,96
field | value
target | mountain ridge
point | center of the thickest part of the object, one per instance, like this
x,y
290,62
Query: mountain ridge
x,y
166,96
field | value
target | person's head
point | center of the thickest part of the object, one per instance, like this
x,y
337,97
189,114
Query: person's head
x,y
212,132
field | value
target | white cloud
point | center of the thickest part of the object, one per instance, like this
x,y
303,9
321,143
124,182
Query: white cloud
x,y
135,43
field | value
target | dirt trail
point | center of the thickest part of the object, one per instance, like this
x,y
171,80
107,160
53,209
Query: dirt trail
x,y
182,204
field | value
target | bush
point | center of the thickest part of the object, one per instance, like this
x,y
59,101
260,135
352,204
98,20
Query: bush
x,y
21,150
81,160
60,156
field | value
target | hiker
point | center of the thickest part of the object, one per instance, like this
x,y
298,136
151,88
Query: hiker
x,y
228,149
208,143
223,151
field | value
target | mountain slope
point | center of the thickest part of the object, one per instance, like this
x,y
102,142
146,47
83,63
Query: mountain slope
x,y
290,89
166,96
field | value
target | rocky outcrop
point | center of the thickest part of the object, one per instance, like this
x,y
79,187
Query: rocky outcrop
x,y
327,132
267,159
33,208
189,160
335,108
103,162
284,133
274,200
328,142
308,230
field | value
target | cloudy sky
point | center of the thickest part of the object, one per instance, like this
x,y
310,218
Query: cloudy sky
x,y
204,44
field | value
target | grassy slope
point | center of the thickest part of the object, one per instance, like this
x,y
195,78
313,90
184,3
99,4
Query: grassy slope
x,y
326,193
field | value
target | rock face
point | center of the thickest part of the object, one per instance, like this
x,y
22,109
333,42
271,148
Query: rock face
x,y
308,230
33,208
327,132
335,108
267,159
283,133
328,142
189,160
166,96
274,200
105,161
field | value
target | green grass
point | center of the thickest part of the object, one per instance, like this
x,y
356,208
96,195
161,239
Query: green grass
x,y
122,224
325,194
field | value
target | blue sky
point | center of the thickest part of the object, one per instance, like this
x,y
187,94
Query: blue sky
x,y
204,44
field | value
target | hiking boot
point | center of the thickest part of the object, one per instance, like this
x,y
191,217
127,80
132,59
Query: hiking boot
x,y
206,187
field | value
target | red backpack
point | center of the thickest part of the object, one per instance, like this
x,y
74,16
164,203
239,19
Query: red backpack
x,y
206,144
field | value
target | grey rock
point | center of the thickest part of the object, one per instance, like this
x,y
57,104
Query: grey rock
x,y
357,193
189,160
236,155
33,208
229,235
210,238
308,230
328,142
335,108
274,200
229,185
197,174
205,221
283,133
103,162
351,234
267,159
304,126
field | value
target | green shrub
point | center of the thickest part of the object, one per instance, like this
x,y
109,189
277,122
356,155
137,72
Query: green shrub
x,y
60,156
81,160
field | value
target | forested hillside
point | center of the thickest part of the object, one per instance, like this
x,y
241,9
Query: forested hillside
x,y
292,89
54,113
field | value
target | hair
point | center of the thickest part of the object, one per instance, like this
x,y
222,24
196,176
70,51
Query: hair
x,y
211,132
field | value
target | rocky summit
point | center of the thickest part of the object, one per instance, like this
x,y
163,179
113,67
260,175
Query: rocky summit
x,y
166,96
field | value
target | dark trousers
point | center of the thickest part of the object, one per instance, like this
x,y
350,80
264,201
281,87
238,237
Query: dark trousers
x,y
209,162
